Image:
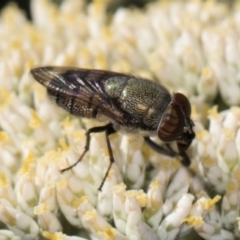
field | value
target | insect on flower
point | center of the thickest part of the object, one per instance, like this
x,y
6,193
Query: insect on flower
x,y
132,104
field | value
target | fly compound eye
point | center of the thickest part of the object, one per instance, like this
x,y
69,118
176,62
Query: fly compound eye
x,y
183,102
172,123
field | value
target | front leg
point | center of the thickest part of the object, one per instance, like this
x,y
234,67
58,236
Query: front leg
x,y
168,152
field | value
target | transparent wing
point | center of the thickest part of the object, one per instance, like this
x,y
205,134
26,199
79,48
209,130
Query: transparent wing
x,y
84,85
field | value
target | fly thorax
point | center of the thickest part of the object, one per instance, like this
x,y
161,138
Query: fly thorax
x,y
114,86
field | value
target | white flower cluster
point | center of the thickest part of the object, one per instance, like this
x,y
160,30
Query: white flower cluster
x,y
189,46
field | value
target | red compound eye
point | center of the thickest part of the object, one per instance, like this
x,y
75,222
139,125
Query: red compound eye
x,y
183,102
172,123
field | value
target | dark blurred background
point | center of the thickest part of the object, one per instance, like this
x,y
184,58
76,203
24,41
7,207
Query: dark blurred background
x,y
24,4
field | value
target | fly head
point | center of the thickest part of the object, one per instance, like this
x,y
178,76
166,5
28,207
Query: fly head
x,y
176,125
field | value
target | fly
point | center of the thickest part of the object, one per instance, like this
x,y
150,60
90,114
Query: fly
x,y
130,103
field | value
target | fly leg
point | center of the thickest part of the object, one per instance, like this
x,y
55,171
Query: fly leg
x,y
182,147
168,152
170,149
108,129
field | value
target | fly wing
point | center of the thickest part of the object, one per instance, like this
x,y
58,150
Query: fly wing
x,y
79,91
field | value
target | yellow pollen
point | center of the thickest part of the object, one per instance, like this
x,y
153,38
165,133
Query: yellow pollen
x,y
99,5
4,97
155,184
207,162
207,72
92,218
63,144
53,155
201,135
119,188
193,221
3,136
232,186
101,61
66,122
79,201
107,32
213,113
35,121
169,165
108,233
53,236
85,53
3,180
105,153
228,133
27,164
139,195
30,64
90,214
189,49
79,134
209,203
194,110
235,111
61,184
40,209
